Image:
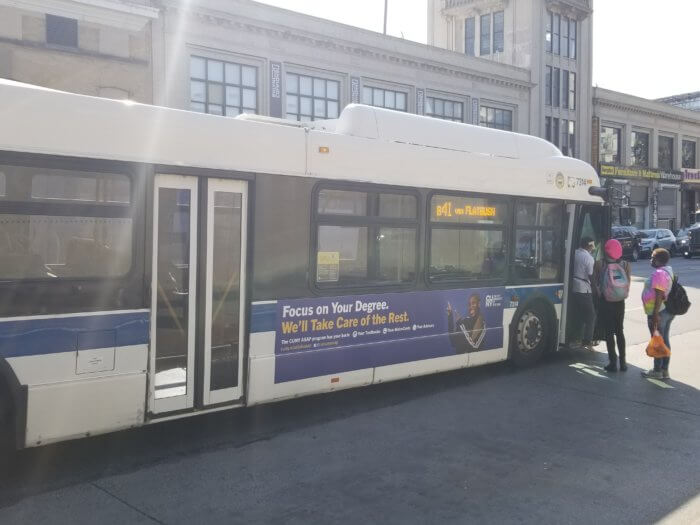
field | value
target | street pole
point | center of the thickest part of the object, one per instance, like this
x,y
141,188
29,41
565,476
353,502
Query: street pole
x,y
386,5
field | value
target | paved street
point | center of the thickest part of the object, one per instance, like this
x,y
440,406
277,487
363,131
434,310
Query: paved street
x,y
562,442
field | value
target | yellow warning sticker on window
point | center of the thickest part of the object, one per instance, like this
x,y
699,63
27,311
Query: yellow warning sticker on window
x,y
327,267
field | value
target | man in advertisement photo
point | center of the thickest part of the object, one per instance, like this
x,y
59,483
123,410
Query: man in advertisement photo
x,y
467,334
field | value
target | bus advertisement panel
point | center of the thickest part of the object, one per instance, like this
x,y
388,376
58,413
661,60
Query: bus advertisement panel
x,y
322,336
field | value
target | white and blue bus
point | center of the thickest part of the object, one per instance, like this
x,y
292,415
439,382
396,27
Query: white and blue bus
x,y
157,263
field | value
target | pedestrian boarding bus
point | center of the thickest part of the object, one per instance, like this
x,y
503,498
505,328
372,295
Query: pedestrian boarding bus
x,y
158,263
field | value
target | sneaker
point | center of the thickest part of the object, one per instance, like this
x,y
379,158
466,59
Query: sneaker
x,y
653,374
611,368
664,374
623,367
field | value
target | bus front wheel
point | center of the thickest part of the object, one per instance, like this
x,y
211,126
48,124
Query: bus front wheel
x,y
531,333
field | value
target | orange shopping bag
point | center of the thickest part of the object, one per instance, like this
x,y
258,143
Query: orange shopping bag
x,y
657,347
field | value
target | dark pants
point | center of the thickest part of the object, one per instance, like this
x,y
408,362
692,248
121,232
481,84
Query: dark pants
x,y
664,328
583,309
612,316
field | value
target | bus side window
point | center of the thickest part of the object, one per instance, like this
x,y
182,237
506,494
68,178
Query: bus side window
x,y
365,237
538,241
66,238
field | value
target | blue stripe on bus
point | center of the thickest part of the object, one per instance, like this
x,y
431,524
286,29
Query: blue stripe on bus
x,y
520,294
263,317
68,334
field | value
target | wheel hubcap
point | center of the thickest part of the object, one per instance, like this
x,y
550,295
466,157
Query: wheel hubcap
x,y
530,332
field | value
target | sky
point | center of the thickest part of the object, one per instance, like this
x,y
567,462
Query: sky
x,y
638,47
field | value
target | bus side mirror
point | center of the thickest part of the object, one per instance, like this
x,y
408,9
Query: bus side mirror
x,y
597,191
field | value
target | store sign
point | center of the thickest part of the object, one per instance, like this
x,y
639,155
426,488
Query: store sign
x,y
609,170
691,176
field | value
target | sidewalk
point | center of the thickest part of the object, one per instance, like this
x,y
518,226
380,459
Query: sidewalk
x,y
685,357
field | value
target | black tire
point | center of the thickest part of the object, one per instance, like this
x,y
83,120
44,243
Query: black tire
x,y
673,251
532,334
635,254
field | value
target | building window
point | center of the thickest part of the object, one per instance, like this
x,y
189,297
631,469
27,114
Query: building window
x,y
688,154
572,90
564,89
564,36
384,98
498,32
485,35
640,149
496,118
564,145
61,31
555,132
548,128
365,237
469,35
556,90
665,153
572,138
60,224
555,34
444,109
222,88
610,145
548,86
639,195
311,98
572,39
548,32
538,241
467,238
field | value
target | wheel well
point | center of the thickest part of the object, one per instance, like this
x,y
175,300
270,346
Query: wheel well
x,y
551,318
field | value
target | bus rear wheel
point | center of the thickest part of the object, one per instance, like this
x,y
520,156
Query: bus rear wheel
x,y
531,333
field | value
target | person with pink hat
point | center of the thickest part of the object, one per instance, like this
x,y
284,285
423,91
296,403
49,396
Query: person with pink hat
x,y
613,278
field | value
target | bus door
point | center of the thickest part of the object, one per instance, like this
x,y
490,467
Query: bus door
x,y
197,292
585,220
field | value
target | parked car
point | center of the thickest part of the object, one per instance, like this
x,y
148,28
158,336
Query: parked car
x,y
683,235
688,240
681,238
657,238
629,239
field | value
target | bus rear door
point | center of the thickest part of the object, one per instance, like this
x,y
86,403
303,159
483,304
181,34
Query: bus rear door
x,y
197,292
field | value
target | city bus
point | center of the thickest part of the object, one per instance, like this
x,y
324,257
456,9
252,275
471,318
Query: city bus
x,y
158,263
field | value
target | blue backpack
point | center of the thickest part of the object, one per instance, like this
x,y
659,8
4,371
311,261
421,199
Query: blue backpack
x,y
615,284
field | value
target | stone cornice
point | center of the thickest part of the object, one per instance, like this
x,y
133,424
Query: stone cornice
x,y
356,49
578,9
464,7
641,110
